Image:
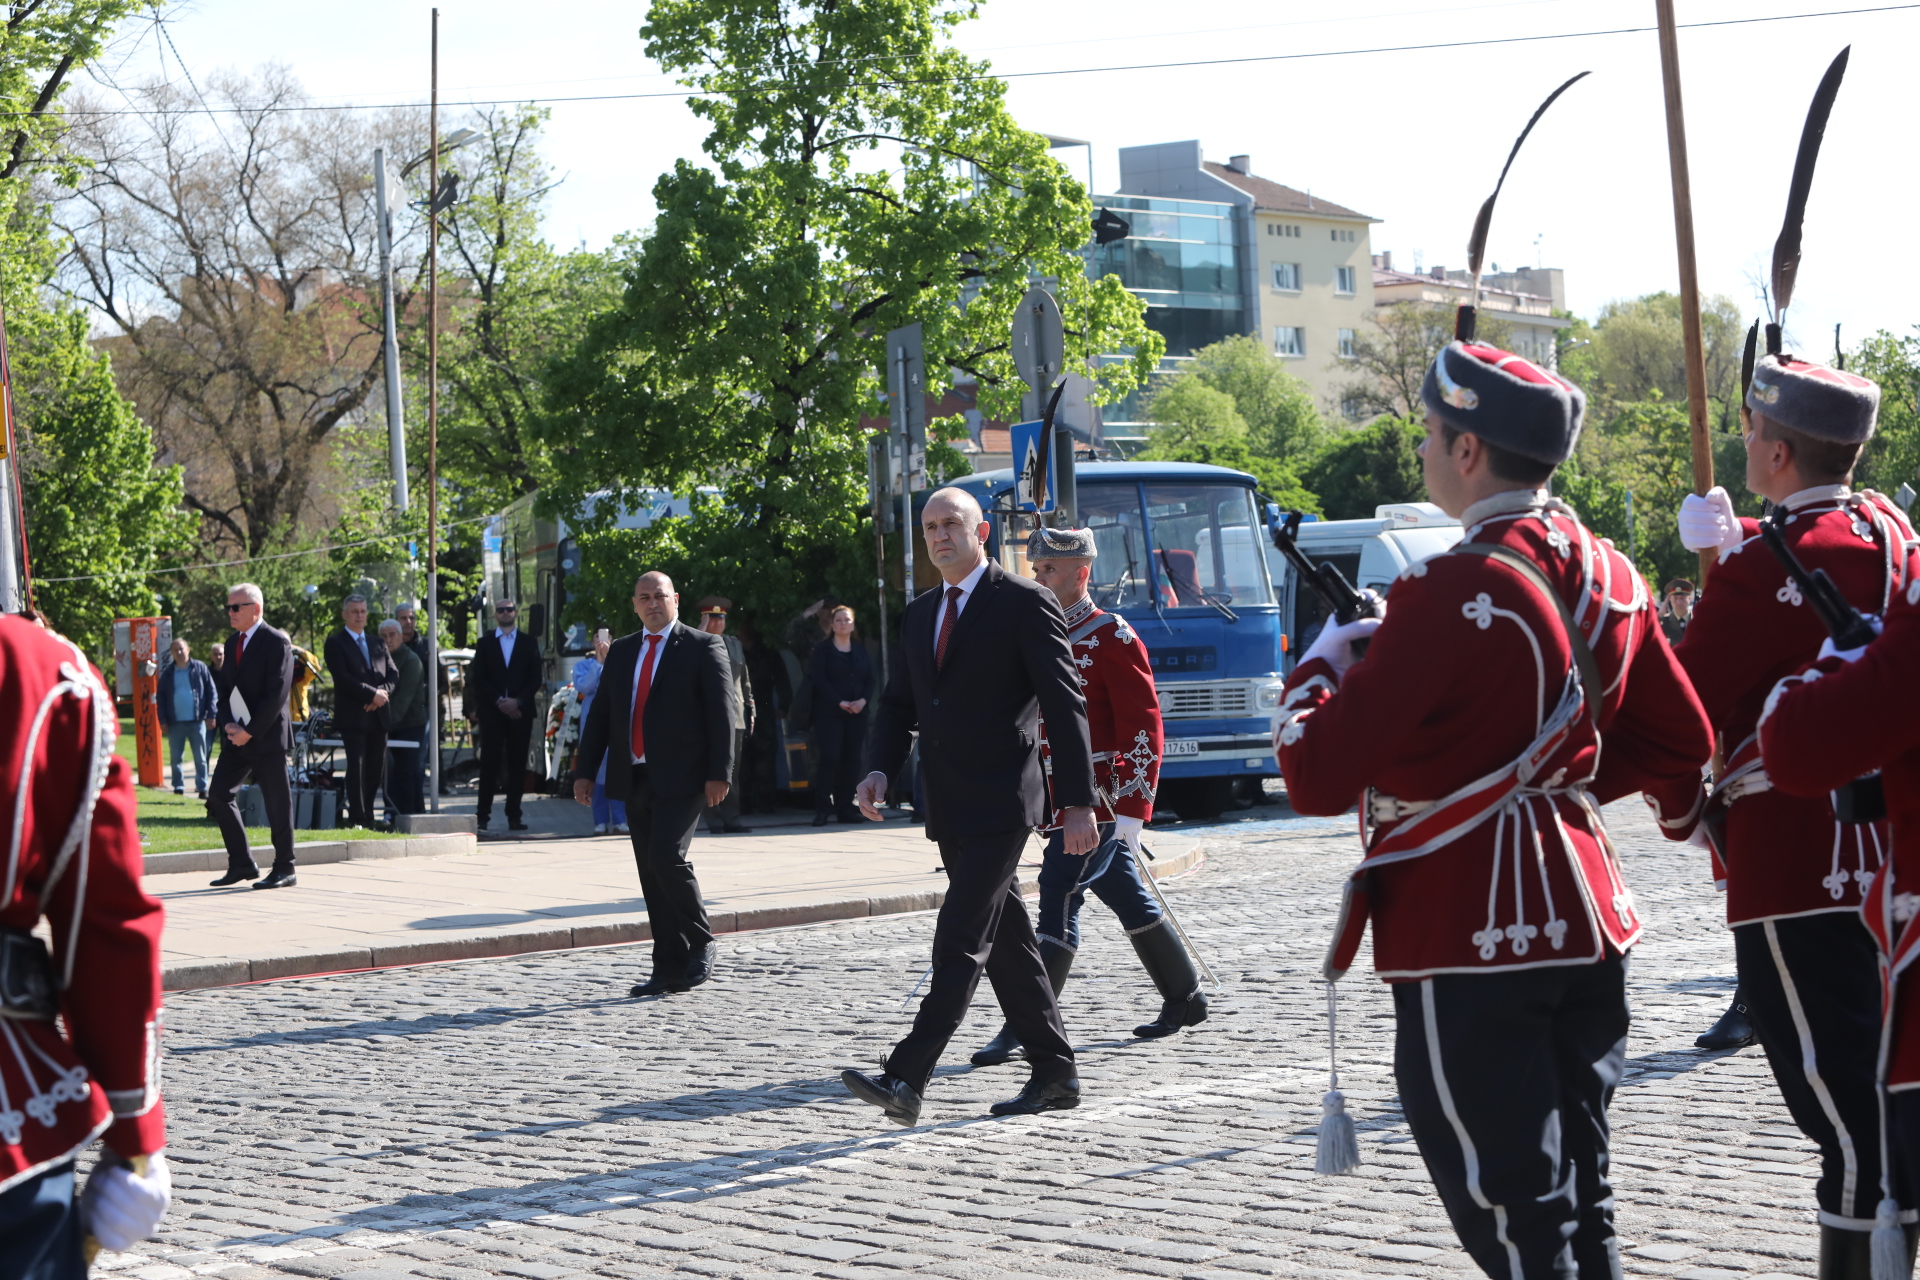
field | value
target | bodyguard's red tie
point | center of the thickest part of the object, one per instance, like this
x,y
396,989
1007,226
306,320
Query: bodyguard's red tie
x,y
239,647
640,688
946,627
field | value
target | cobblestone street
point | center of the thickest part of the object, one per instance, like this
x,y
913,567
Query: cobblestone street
x,y
521,1117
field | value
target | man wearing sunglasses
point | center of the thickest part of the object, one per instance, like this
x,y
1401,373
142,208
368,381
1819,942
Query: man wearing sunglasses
x,y
501,684
254,732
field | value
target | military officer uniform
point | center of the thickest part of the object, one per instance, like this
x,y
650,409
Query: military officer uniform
x,y
1471,735
1794,873
1816,737
80,1025
1123,723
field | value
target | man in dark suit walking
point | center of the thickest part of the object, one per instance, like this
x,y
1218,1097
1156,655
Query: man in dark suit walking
x,y
256,732
980,660
501,683
363,674
663,720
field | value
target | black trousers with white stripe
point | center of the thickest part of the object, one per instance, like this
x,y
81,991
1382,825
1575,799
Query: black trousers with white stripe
x,y
1505,1079
1812,987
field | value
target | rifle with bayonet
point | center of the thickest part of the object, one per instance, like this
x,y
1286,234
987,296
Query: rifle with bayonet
x,y
1861,800
1325,579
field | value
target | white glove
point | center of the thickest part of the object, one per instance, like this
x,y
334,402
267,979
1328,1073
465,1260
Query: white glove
x,y
120,1207
1848,655
1334,644
1709,524
1127,831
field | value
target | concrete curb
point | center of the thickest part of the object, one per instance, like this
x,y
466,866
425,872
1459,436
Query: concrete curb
x,y
225,973
315,853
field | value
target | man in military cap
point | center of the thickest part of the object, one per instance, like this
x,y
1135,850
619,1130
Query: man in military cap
x,y
1471,733
1794,872
1123,719
724,818
82,1022
1677,597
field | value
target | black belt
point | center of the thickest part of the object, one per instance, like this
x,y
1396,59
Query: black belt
x,y
26,977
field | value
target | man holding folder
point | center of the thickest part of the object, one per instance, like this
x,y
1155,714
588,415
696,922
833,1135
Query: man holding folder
x,y
255,734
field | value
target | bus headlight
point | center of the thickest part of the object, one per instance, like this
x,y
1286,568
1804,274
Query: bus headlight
x,y
1267,696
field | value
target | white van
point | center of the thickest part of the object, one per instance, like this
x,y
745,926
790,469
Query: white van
x,y
1368,553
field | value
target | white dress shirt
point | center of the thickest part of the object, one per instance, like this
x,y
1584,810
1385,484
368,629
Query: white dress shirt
x,y
506,644
652,665
959,606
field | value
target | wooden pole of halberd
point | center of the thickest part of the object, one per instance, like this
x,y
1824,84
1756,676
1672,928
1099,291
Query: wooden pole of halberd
x,y
1689,273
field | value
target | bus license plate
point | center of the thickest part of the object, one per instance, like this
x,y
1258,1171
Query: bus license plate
x,y
1181,747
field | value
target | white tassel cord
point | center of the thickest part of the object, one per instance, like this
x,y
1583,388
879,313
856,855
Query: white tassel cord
x,y
1337,1149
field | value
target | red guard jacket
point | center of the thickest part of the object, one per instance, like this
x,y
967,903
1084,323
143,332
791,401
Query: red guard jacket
x,y
1123,716
73,856
1465,734
1786,855
1833,722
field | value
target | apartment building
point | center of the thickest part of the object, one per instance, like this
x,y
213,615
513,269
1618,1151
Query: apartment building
x,y
1533,300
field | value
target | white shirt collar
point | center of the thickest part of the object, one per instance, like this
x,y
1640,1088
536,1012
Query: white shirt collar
x,y
505,634
968,583
248,633
661,632
1818,493
1501,504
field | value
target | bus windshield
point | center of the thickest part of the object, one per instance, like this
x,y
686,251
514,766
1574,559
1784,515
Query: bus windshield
x,y
1206,546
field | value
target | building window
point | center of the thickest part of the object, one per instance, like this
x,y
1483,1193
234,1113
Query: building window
x,y
1283,229
1286,275
1346,344
1341,237
1289,340
1353,409
1343,279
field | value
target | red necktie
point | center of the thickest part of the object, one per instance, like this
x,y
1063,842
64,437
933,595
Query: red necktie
x,y
239,647
946,627
640,688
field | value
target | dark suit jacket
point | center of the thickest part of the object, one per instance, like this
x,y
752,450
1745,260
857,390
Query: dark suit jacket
x,y
1008,663
490,677
264,676
354,680
688,722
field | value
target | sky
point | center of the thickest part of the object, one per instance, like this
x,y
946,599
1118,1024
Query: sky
x,y
1412,137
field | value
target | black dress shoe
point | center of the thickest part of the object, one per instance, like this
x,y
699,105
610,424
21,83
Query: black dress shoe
x,y
235,875
895,1097
514,824
1004,1047
820,819
480,821
278,878
737,828
1734,1030
654,986
700,968
1038,1096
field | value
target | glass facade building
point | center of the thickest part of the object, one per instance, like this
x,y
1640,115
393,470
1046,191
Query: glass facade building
x,y
1184,259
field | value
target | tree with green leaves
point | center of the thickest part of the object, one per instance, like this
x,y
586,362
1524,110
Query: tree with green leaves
x,y
861,174
1194,421
1635,350
1391,355
1367,468
1892,457
1277,408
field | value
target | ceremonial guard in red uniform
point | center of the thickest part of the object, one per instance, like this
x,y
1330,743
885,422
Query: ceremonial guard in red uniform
x,y
1471,734
1794,872
73,857
1851,714
1123,721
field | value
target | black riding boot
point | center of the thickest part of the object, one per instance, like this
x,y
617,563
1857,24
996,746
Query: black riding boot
x,y
1004,1047
1166,961
1845,1255
1733,1031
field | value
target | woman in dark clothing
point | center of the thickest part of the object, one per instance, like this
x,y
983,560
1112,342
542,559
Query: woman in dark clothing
x,y
841,674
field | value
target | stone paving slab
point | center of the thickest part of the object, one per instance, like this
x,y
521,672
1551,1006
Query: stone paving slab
x,y
455,900
519,1117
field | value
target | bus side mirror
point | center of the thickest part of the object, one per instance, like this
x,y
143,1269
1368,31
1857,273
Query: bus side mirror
x,y
537,620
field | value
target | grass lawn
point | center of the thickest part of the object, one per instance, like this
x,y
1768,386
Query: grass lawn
x,y
172,823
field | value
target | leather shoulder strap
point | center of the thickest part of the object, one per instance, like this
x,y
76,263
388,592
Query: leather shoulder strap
x,y
1583,658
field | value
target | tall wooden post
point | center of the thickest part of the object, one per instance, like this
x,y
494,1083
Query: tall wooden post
x,y
1689,275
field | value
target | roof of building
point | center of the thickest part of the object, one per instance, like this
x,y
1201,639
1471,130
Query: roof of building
x,y
1384,278
1279,198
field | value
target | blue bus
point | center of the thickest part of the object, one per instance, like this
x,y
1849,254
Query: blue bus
x,y
1183,559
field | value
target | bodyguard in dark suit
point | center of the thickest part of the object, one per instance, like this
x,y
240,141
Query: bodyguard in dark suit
x,y
980,660
501,683
363,678
663,720
260,666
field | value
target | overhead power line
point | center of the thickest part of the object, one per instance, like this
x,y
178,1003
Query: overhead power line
x,y
883,81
